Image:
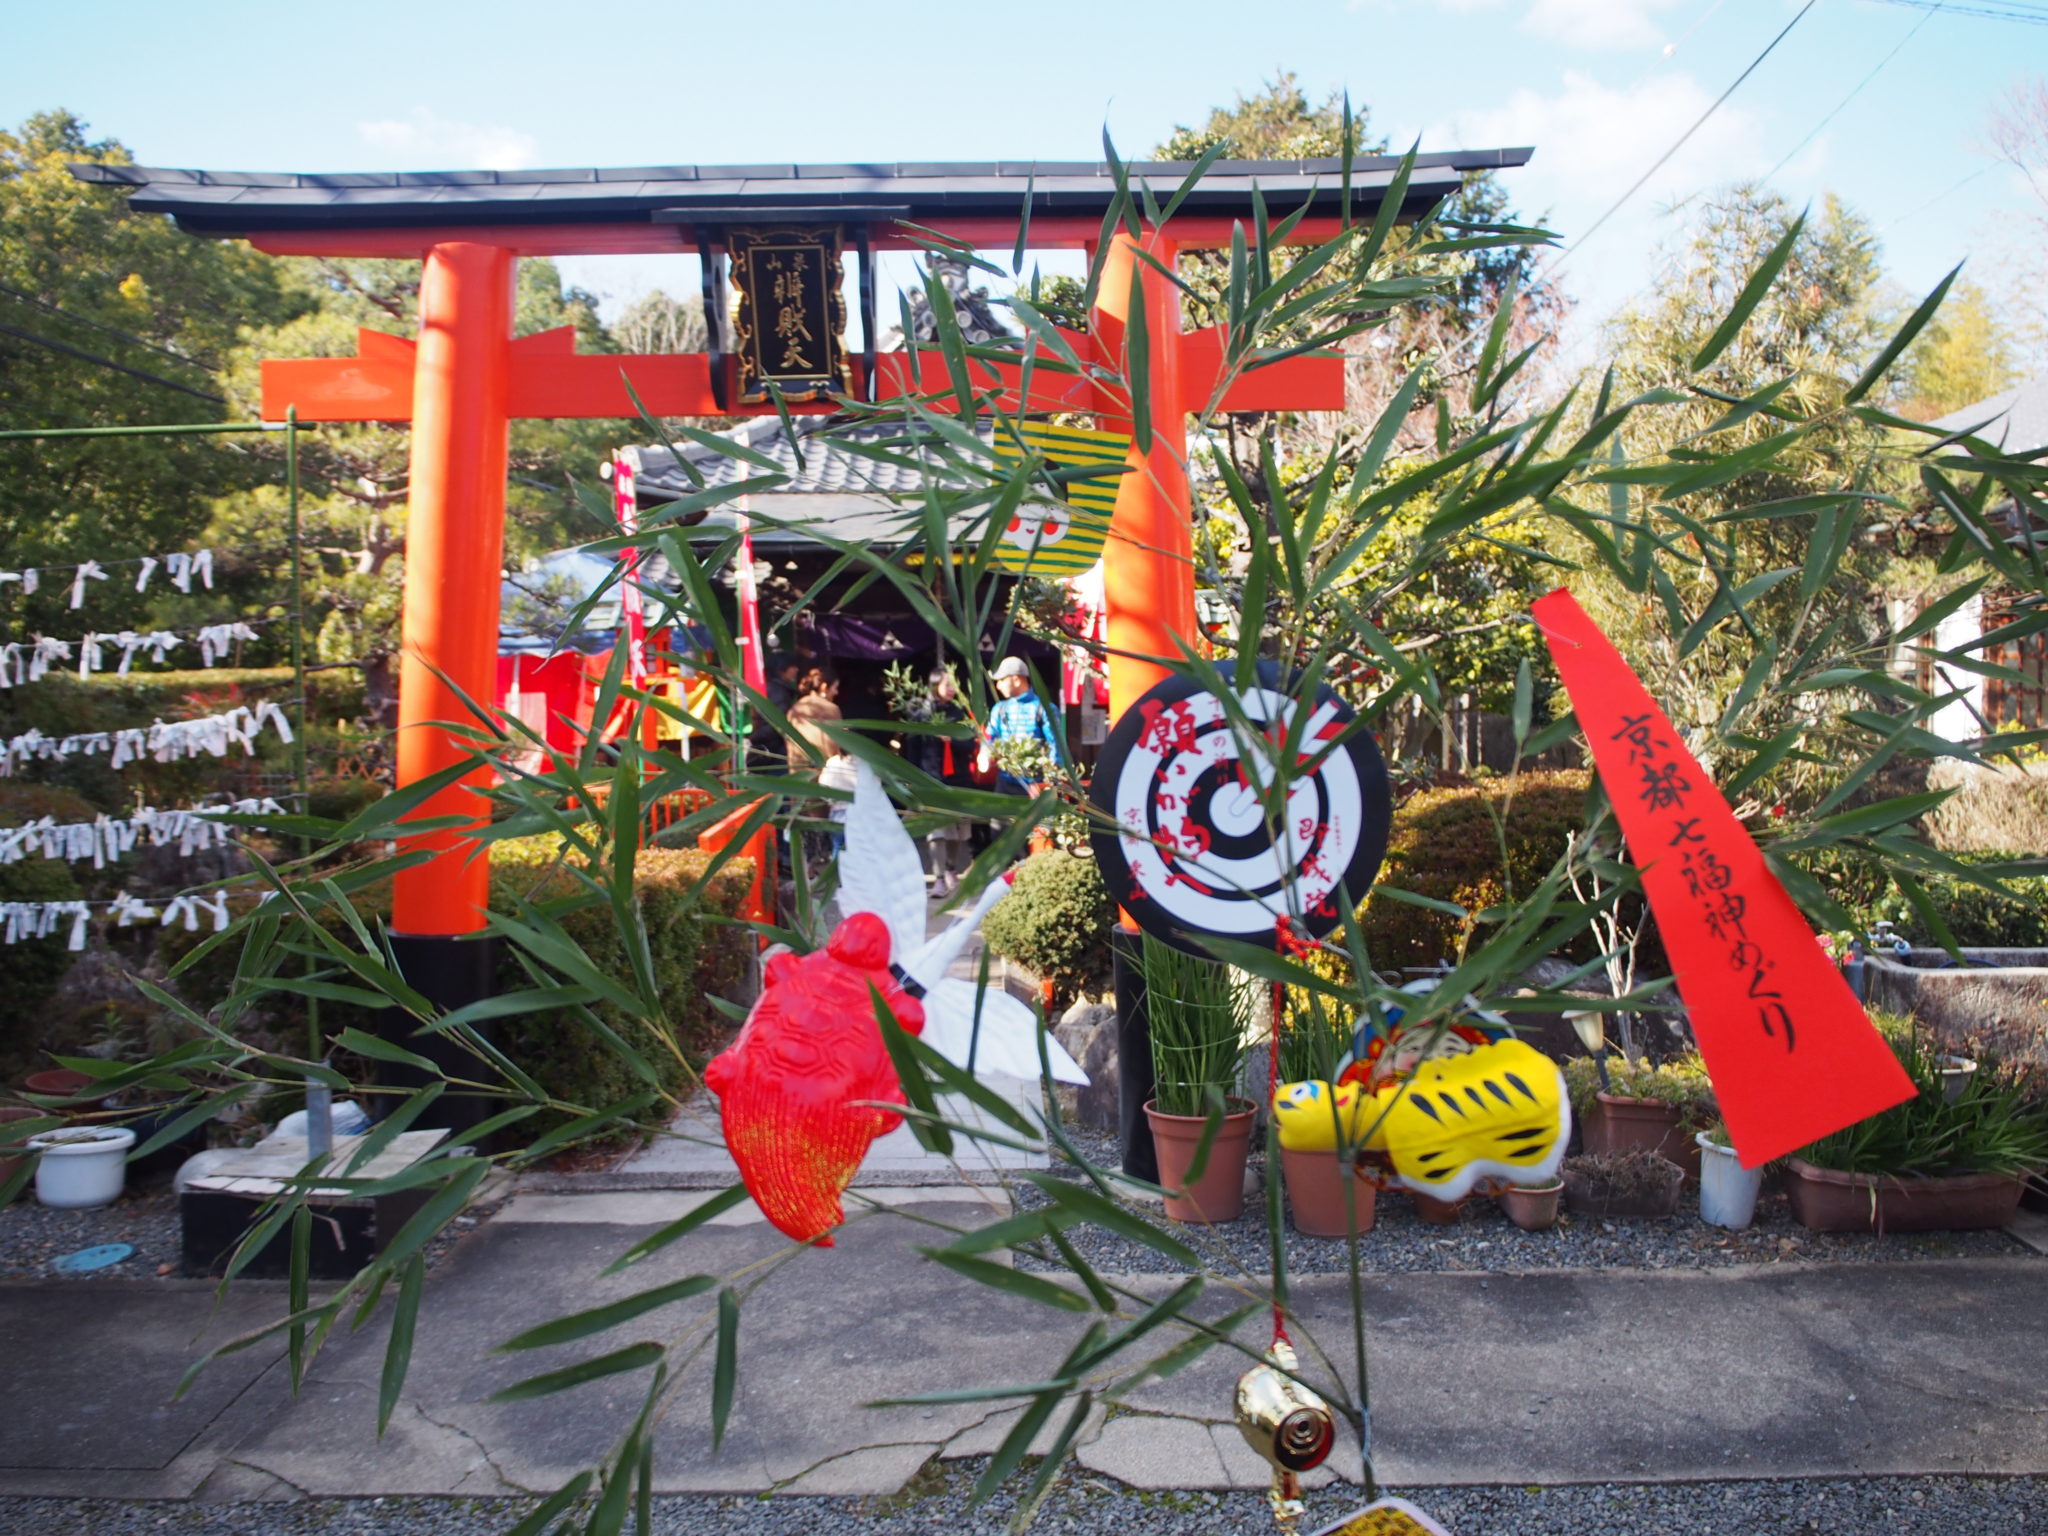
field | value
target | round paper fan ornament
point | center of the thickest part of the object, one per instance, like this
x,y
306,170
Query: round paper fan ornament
x,y
1196,853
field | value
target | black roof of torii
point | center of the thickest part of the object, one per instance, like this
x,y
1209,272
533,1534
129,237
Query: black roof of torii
x,y
240,203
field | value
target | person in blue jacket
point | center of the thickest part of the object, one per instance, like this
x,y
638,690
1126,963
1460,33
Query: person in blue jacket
x,y
1018,716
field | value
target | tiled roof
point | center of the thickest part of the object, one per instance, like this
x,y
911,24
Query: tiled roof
x,y
248,202
2016,420
827,468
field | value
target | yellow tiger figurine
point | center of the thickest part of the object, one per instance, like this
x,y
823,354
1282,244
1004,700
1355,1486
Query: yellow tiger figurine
x,y
1500,1110
1306,1121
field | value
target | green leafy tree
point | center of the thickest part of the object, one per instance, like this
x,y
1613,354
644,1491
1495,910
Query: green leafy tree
x,y
356,475
108,319
1962,357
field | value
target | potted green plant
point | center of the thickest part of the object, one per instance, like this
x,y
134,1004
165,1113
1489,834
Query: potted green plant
x,y
1634,1182
1728,1190
1197,1018
1314,1036
1935,1162
1656,1105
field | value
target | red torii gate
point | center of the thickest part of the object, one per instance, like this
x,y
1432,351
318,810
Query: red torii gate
x,y
465,377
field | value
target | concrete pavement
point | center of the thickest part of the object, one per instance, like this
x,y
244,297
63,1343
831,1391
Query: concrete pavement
x,y
1544,1378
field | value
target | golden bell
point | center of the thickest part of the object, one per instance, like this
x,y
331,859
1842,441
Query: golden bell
x,y
1280,1418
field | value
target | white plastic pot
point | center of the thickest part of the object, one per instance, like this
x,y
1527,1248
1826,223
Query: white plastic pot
x,y
82,1165
1728,1190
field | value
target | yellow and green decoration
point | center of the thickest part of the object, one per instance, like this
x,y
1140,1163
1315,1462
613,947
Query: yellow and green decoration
x,y
1041,540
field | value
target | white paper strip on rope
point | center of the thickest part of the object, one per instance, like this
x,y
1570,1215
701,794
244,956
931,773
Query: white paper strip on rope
x,y
163,741
27,661
182,568
106,839
23,920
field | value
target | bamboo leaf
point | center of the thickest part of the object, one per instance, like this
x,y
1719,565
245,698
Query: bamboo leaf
x,y
633,1357
725,1369
580,1325
1001,1277
405,1315
1080,1202
1752,295
1915,324
717,1205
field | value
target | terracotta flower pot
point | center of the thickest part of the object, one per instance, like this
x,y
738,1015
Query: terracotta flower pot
x,y
1621,1123
1218,1195
62,1083
1588,1195
1533,1209
1315,1194
1438,1213
1828,1201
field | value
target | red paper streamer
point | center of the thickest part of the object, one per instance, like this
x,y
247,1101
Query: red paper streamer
x,y
1792,1054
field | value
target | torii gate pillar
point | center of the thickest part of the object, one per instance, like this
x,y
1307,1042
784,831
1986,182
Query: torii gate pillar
x,y
1148,560
455,540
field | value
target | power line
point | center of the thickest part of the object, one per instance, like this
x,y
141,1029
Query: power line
x,y
1700,123
101,325
1982,170
1984,10
1925,17
108,362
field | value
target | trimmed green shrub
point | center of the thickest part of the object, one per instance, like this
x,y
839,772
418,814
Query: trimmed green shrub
x,y
1055,923
341,797
35,967
694,957
1445,845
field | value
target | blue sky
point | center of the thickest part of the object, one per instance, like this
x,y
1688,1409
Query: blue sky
x,y
1600,87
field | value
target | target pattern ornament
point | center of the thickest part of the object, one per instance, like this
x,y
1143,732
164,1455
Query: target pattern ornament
x,y
1194,854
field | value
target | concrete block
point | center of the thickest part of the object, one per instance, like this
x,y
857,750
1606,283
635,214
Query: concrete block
x,y
1149,1451
986,1438
873,1471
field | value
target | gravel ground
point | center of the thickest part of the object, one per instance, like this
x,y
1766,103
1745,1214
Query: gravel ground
x,y
32,1234
937,1501
1484,1239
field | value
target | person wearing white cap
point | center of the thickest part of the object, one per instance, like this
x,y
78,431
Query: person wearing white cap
x,y
1017,717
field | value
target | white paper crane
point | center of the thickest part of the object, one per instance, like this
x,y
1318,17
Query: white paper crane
x,y
879,872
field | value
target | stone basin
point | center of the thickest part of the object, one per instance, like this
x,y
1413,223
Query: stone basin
x,y
1998,1002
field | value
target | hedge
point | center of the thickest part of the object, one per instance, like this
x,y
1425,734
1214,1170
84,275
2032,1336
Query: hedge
x,y
34,967
1445,845
1055,923
695,957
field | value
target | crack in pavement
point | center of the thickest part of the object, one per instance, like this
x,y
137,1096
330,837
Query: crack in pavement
x,y
779,1484
481,1450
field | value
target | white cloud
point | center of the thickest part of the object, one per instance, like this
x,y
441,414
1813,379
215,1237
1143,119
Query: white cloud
x,y
1592,142
426,140
1603,24
1590,24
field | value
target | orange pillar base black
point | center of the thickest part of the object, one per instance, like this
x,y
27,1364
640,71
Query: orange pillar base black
x,y
450,971
1133,1054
